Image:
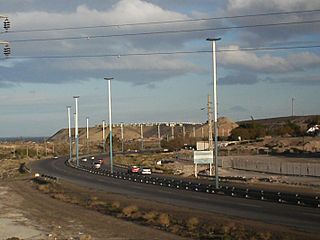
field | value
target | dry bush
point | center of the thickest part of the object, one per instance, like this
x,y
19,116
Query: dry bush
x,y
129,210
115,205
192,223
150,217
265,236
175,229
85,237
44,188
164,219
94,202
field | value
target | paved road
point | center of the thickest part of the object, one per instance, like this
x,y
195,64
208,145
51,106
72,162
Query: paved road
x,y
306,219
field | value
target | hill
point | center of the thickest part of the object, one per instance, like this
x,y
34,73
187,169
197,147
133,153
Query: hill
x,y
150,131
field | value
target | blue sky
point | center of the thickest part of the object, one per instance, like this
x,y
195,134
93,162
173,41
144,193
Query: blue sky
x,y
35,92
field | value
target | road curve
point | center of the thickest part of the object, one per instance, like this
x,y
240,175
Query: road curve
x,y
297,217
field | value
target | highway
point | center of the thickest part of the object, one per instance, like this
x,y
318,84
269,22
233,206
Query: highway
x,y
297,217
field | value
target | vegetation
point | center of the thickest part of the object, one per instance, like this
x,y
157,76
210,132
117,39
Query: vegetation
x,y
248,131
188,227
178,143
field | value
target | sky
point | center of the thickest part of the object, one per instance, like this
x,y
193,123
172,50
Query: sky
x,y
47,68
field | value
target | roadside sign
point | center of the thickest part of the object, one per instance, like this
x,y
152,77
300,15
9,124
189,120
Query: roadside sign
x,y
202,157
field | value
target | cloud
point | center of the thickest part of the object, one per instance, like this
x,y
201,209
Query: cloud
x,y
239,78
238,109
260,36
267,63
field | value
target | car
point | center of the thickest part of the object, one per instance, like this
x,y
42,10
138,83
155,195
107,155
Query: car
x,y
84,159
145,171
96,165
134,169
92,158
101,161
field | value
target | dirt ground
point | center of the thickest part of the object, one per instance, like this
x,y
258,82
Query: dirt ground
x,y
28,213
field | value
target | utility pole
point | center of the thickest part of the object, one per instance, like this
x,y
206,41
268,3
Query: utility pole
x,y
110,122
87,134
159,135
69,132
76,98
292,112
104,136
194,131
215,101
122,138
141,135
183,131
172,131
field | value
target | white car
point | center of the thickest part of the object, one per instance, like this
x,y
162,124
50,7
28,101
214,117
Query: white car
x,y
84,159
96,165
92,158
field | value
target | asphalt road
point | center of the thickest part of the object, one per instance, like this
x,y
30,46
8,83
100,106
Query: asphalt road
x,y
302,218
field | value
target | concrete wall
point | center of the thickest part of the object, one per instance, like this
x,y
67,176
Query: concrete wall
x,y
273,166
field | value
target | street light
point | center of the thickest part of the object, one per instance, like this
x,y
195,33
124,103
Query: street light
x,y
69,131
77,129
122,138
292,112
104,135
214,77
110,119
87,135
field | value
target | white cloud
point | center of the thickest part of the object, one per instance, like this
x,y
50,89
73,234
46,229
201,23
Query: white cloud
x,y
284,5
267,63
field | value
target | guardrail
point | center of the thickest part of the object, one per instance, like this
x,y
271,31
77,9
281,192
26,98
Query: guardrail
x,y
279,197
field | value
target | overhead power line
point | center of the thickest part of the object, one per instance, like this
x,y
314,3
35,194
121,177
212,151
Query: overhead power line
x,y
164,32
167,53
167,21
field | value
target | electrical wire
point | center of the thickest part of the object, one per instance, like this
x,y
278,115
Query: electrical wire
x,y
163,32
166,22
165,53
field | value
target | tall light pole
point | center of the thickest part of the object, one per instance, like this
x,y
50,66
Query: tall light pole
x,y
87,134
122,139
69,131
215,104
141,135
292,112
159,135
110,120
104,136
77,129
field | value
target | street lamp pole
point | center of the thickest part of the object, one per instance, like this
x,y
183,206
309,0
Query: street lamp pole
x,y
122,138
69,131
77,129
87,134
104,136
215,104
110,121
292,100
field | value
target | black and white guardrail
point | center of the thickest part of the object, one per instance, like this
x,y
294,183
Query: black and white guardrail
x,y
288,198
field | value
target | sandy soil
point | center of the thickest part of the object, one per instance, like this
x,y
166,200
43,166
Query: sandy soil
x,y
29,214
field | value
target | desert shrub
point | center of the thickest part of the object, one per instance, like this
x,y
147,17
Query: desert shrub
x,y
192,223
85,237
115,205
150,216
164,219
129,210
